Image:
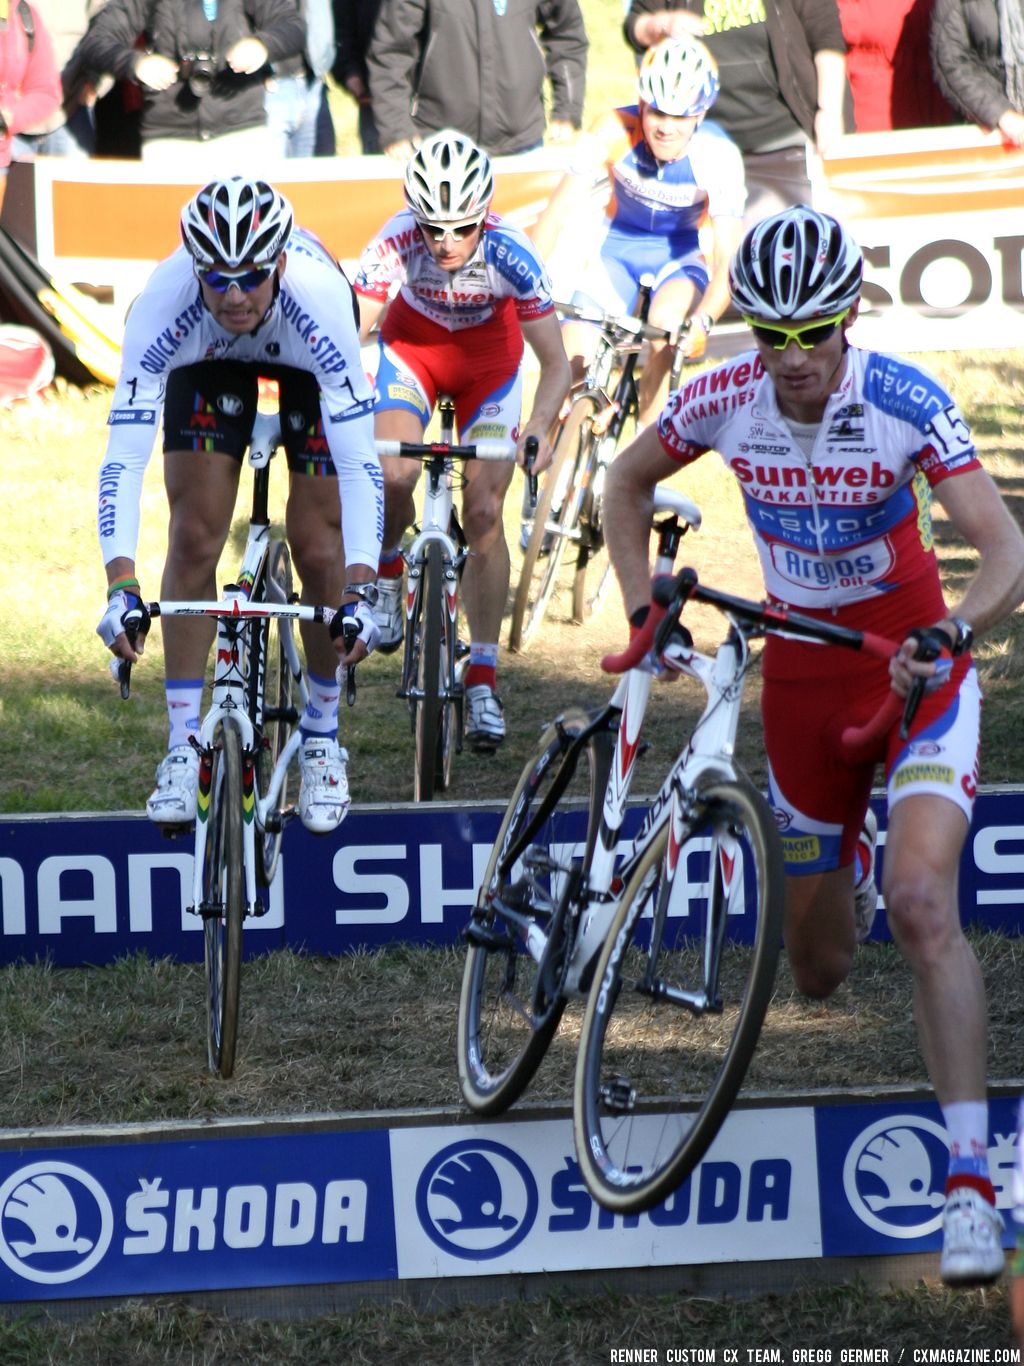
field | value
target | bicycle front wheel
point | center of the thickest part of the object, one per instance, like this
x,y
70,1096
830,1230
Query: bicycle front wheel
x,y
274,714
679,998
223,908
511,1003
555,523
433,729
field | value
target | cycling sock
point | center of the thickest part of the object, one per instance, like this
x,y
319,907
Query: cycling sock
x,y
321,714
392,562
184,699
967,1126
483,665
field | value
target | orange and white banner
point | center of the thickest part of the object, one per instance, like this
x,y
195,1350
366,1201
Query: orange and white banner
x,y
939,213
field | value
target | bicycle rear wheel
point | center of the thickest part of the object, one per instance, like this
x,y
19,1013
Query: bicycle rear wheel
x,y
274,714
433,725
593,576
555,523
510,1004
677,1003
223,908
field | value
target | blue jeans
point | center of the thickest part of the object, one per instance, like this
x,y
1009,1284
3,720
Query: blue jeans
x,y
292,107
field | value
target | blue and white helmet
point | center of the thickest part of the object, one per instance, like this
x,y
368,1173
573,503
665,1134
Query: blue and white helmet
x,y
235,222
796,266
679,76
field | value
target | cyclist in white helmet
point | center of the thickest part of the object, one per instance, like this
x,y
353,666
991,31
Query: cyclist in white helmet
x,y
247,295
470,290
838,453
671,176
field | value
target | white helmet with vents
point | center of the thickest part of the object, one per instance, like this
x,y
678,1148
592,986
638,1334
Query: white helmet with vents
x,y
449,179
795,266
679,76
236,222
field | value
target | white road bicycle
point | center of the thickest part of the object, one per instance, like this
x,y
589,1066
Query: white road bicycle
x,y
671,938
247,743
435,558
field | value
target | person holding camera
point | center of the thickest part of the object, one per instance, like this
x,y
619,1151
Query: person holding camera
x,y
202,66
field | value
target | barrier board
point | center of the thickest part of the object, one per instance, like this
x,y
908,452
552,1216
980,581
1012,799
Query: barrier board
x,y
93,888
205,1207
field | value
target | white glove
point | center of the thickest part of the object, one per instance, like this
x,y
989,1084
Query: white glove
x,y
122,610
362,614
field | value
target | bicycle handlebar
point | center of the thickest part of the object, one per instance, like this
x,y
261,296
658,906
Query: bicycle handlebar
x,y
669,594
427,450
612,322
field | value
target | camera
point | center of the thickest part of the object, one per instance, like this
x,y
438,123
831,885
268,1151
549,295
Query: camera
x,y
199,71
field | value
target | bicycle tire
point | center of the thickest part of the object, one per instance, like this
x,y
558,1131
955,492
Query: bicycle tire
x,y
593,564
654,1079
430,681
538,576
509,1008
275,720
224,902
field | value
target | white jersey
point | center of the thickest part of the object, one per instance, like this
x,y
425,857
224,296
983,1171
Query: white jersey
x,y
310,326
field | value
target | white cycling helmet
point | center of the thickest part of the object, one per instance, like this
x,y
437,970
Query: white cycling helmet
x,y
236,221
449,179
679,76
794,266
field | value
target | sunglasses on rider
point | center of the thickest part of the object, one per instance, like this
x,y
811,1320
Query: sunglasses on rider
x,y
456,231
220,281
807,335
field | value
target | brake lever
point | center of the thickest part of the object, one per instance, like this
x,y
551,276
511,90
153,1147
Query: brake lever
x,y
350,631
930,644
530,450
132,621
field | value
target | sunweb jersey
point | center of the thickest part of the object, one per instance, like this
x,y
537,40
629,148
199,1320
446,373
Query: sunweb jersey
x,y
310,326
850,523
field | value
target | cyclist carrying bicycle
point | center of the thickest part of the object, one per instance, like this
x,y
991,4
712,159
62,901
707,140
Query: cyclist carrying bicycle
x,y
838,452
247,295
670,174
470,290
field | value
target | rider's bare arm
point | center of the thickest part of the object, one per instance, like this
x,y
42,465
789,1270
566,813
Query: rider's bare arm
x,y
628,509
544,337
975,507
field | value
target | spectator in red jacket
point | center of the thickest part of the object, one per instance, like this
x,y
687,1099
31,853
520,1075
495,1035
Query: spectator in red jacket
x,y
892,84
30,87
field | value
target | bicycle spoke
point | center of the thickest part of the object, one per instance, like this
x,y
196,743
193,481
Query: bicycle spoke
x,y
678,1000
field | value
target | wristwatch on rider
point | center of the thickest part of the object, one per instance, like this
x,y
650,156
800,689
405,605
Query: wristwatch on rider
x,y
964,635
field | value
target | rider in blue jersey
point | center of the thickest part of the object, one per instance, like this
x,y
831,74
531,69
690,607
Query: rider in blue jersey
x,y
671,177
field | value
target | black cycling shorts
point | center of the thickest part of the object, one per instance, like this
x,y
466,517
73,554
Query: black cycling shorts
x,y
211,406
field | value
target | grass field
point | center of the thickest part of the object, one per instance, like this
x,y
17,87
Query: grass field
x,y
124,1043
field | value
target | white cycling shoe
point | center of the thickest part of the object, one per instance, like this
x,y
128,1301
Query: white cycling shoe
x,y
485,722
174,799
389,613
865,894
323,798
972,1239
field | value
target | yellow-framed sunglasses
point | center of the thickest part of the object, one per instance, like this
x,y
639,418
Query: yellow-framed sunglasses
x,y
807,335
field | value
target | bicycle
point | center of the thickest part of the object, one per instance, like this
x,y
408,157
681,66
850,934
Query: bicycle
x,y
671,940
247,741
568,511
430,681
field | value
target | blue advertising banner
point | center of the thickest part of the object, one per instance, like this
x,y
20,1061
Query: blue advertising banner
x,y
449,1197
90,889
210,1213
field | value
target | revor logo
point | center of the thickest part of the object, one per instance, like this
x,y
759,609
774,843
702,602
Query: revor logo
x,y
56,1222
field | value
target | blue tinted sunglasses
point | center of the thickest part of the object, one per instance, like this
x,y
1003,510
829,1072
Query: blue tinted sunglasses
x,y
247,280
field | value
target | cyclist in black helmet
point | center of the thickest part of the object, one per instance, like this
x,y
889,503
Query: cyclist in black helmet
x,y
838,452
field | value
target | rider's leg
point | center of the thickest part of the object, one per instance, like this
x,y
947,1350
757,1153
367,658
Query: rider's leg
x,y
201,488
819,930
313,524
486,576
670,306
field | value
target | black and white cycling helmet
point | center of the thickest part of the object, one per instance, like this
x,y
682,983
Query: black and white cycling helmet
x,y
796,265
235,222
448,179
679,76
